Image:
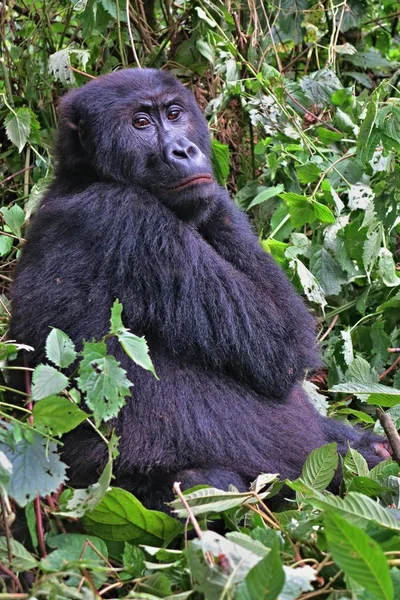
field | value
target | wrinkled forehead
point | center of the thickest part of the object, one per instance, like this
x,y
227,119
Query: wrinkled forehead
x,y
135,88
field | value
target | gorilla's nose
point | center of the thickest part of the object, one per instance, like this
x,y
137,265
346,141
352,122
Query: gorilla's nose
x,y
183,153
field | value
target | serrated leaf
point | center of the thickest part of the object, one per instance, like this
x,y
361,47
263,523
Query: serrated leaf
x,y
320,85
322,213
137,349
18,127
387,268
328,272
60,348
308,173
22,560
47,381
116,317
266,579
57,413
311,287
14,217
359,556
120,516
300,208
266,194
103,380
37,468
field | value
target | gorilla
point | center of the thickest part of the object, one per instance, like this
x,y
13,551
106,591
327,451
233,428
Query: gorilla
x,y
135,213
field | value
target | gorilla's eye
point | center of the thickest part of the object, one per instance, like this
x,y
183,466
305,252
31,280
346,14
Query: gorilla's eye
x,y
174,113
141,122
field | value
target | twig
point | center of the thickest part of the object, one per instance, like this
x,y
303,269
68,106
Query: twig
x,y
393,349
5,513
81,72
176,488
15,174
331,326
12,576
391,433
128,22
392,367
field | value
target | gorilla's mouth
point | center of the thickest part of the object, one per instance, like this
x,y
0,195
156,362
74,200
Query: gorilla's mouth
x,y
193,180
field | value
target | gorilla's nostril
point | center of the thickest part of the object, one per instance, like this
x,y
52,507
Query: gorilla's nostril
x,y
179,153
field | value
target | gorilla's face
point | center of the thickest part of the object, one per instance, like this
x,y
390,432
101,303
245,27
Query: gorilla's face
x,y
142,127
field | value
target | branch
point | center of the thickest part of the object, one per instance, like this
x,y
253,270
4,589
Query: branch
x,y
391,433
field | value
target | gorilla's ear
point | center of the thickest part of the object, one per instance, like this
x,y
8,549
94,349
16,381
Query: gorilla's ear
x,y
72,145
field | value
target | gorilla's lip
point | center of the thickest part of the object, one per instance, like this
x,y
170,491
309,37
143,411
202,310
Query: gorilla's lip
x,y
193,180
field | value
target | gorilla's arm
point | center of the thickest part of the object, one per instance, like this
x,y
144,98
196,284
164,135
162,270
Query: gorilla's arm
x,y
201,306
229,232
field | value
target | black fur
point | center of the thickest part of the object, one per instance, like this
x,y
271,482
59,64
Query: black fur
x,y
229,337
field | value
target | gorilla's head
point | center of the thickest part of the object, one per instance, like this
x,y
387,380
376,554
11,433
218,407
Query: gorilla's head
x,y
137,126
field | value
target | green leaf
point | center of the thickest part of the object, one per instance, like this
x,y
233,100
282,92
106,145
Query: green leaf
x,y
18,127
60,348
266,194
103,380
6,243
327,136
116,317
359,556
14,217
137,349
300,208
387,268
266,579
57,413
120,516
37,469
22,560
320,85
209,499
357,509
320,466
206,50
308,173
220,160
368,137
47,381
322,213
328,272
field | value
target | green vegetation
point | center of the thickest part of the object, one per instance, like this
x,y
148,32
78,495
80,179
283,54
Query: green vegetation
x,y
303,107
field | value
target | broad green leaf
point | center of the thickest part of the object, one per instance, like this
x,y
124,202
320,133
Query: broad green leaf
x,y
18,127
266,194
354,464
14,217
357,509
300,208
328,272
47,381
60,348
327,136
203,16
266,579
57,413
103,380
120,516
137,349
320,466
359,556
6,243
368,137
308,173
322,213
367,486
320,85
37,468
22,560
360,370
206,50
220,160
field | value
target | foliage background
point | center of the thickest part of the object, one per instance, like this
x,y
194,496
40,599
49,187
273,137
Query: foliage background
x,y
303,107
